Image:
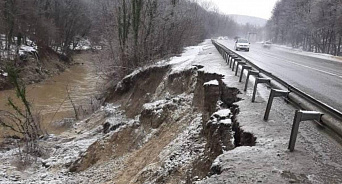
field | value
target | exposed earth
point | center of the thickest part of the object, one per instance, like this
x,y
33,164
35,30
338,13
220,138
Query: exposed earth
x,y
34,69
183,120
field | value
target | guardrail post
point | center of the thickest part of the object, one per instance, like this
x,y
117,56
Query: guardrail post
x,y
250,72
235,60
243,68
231,60
274,93
259,81
237,66
301,116
228,58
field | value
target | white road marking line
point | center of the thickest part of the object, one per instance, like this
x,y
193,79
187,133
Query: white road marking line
x,y
289,61
322,71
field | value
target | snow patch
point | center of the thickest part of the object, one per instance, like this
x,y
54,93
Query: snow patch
x,y
222,113
3,73
211,83
24,49
186,60
226,122
156,105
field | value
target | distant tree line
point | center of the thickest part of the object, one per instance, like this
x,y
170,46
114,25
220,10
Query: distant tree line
x,y
313,25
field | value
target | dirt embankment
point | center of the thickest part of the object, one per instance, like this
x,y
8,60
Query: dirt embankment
x,y
33,69
183,121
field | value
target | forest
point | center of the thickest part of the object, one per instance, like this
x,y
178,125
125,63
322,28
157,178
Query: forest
x,y
132,33
312,25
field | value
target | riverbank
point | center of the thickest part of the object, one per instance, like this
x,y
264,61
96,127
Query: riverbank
x,y
50,99
33,70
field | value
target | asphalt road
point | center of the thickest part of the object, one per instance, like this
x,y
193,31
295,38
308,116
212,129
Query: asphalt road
x,y
320,78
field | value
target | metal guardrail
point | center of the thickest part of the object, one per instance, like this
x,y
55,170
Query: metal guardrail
x,y
328,109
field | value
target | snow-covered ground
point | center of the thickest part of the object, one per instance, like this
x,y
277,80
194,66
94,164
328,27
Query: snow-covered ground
x,y
30,48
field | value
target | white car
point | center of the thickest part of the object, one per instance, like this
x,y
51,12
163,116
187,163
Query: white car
x,y
267,44
241,44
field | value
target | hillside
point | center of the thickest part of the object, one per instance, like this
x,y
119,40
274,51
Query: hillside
x,y
244,19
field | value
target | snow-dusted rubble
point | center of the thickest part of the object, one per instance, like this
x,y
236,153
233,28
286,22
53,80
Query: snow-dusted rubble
x,y
63,150
178,154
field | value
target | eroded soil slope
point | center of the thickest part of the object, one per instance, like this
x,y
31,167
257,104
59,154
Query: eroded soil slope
x,y
175,138
166,123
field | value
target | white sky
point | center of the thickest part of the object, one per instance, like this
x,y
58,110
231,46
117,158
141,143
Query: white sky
x,y
256,8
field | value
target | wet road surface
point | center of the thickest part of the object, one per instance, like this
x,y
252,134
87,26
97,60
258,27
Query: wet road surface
x,y
320,78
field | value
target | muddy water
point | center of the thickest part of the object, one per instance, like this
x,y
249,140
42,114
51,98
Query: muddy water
x,y
50,98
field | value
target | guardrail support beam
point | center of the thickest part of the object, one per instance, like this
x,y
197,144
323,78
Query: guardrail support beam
x,y
274,93
301,116
235,61
244,67
259,81
237,66
250,72
228,58
231,60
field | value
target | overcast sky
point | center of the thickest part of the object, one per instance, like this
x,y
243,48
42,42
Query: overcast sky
x,y
256,8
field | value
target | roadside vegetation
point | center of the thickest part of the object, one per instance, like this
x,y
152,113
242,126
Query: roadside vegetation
x,y
22,120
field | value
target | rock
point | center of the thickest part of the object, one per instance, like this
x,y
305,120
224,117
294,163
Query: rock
x,y
106,127
215,169
116,126
45,164
43,176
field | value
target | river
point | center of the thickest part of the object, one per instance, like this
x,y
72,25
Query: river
x,y
50,97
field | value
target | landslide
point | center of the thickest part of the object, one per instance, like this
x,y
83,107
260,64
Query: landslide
x,y
175,134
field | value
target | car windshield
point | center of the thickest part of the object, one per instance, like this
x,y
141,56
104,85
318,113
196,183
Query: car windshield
x,y
242,41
